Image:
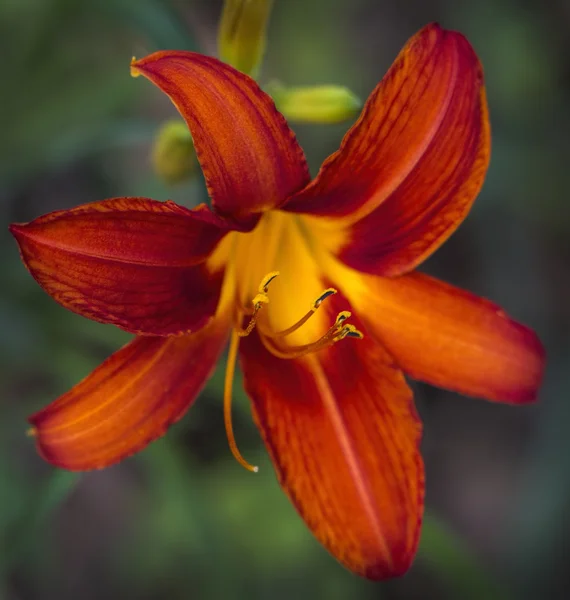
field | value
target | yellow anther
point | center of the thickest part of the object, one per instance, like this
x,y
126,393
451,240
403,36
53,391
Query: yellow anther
x,y
342,317
258,301
263,286
355,334
323,297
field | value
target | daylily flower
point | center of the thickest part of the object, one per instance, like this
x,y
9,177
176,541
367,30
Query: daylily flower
x,y
334,411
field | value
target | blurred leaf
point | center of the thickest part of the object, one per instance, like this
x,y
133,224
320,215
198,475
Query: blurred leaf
x,y
23,531
447,555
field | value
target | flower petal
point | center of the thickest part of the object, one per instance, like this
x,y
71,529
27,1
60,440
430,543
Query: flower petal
x,y
249,156
133,262
448,337
129,401
409,170
343,435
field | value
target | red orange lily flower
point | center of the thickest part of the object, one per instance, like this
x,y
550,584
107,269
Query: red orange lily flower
x,y
335,412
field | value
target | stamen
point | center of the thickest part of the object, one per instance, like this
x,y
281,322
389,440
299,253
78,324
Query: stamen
x,y
335,333
258,301
328,292
338,331
228,384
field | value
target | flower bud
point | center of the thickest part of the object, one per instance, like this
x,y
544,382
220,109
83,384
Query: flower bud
x,y
242,33
173,154
315,104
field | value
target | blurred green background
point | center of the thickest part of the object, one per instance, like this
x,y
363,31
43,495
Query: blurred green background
x,y
182,519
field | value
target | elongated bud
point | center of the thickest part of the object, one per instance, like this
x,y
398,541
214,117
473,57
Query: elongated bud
x,y
315,104
173,154
242,33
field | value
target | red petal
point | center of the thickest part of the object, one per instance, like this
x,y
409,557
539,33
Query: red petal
x,y
450,338
343,435
409,170
129,401
133,262
249,156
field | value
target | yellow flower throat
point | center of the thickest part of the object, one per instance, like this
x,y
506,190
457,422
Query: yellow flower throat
x,y
285,327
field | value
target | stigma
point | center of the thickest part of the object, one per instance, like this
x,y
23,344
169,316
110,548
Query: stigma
x,y
275,342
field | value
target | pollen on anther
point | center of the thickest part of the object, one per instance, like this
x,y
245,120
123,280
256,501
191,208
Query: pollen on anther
x,y
323,297
355,334
267,280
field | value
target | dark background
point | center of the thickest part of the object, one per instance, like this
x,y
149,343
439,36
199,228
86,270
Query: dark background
x,y
182,519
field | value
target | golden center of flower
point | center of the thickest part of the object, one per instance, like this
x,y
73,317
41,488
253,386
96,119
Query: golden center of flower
x,y
275,342
272,302
272,339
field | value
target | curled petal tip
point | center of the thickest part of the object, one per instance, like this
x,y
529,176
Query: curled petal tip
x,y
16,229
134,70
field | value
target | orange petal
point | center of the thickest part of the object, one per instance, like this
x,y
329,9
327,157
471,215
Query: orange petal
x,y
450,338
343,435
129,401
249,156
409,170
132,262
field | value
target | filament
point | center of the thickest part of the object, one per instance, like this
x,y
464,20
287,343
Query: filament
x,y
228,386
296,326
332,336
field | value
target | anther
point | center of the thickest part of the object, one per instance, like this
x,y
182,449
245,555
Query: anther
x,y
323,297
342,317
263,286
258,301
355,334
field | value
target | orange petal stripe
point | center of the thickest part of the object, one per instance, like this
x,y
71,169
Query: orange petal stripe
x,y
132,262
249,156
409,170
343,435
129,401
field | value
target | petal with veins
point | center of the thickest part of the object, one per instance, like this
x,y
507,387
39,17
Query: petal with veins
x,y
133,262
129,401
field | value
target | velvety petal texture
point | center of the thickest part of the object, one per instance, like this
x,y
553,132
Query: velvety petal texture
x,y
129,401
343,435
450,338
250,158
133,262
407,173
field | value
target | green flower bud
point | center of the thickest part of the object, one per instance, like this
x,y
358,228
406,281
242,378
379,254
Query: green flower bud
x,y
173,155
242,33
315,104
